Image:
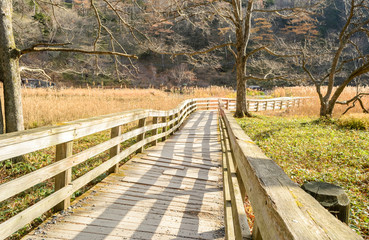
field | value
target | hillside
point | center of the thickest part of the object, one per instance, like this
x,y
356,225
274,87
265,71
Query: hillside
x,y
154,39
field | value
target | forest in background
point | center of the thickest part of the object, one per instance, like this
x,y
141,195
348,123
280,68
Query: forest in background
x,y
74,21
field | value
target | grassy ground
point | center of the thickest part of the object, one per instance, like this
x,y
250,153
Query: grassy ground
x,y
311,150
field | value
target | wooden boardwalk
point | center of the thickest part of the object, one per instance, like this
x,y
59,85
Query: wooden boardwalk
x,y
173,191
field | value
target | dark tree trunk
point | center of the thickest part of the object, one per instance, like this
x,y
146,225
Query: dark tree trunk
x,y
241,105
9,70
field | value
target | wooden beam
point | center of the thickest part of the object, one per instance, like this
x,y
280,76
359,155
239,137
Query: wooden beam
x,y
155,120
282,209
63,151
115,132
141,124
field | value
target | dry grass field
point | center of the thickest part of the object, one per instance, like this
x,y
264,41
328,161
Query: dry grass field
x,y
50,106
312,105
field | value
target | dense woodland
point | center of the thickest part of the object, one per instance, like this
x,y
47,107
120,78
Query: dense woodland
x,y
153,35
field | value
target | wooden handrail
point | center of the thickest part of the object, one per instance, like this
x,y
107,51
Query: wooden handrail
x,y
62,135
282,209
256,105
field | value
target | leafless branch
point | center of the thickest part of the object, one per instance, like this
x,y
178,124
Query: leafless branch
x,y
50,49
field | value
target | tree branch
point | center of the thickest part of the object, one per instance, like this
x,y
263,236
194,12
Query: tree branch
x,y
51,49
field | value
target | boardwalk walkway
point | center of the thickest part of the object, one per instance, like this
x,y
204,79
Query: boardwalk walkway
x,y
173,191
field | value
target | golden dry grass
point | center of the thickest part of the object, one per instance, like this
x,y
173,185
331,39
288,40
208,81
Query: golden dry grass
x,y
50,106
311,106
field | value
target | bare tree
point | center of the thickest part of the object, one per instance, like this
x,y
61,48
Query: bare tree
x,y
342,59
10,55
237,17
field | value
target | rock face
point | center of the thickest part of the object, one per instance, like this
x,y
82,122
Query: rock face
x,y
330,196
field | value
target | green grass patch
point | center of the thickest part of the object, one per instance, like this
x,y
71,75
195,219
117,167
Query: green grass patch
x,y
311,150
359,121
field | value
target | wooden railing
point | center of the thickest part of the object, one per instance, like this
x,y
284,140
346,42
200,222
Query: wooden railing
x,y
282,209
257,105
162,124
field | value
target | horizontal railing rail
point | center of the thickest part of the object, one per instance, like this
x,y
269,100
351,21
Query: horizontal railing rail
x,y
13,145
257,105
282,209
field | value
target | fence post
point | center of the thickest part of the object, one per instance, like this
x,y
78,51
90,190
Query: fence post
x,y
171,125
274,105
257,106
227,104
141,123
154,132
115,132
164,129
63,151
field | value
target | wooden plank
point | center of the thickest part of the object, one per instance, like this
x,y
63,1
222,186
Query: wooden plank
x,y
179,162
168,188
115,132
196,195
173,178
20,143
155,120
138,214
187,158
63,151
228,218
18,185
282,209
141,124
241,227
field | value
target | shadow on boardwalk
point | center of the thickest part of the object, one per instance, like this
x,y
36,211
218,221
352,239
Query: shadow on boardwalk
x,y
174,191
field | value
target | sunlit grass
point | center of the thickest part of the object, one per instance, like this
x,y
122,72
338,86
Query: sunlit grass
x,y
311,150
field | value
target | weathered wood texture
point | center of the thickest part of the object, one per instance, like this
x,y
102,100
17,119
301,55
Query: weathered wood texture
x,y
235,216
15,144
257,105
282,209
173,191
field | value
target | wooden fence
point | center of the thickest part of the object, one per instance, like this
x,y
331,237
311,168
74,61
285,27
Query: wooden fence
x,y
257,105
282,209
161,124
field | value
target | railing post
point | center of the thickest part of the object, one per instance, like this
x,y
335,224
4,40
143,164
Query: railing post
x,y
257,106
63,151
227,104
274,104
141,123
115,132
155,120
164,129
176,116
171,125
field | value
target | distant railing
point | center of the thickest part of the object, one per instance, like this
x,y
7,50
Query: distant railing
x,y
282,209
257,105
152,125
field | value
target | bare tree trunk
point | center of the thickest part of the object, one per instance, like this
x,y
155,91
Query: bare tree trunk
x,y
9,70
243,30
241,106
